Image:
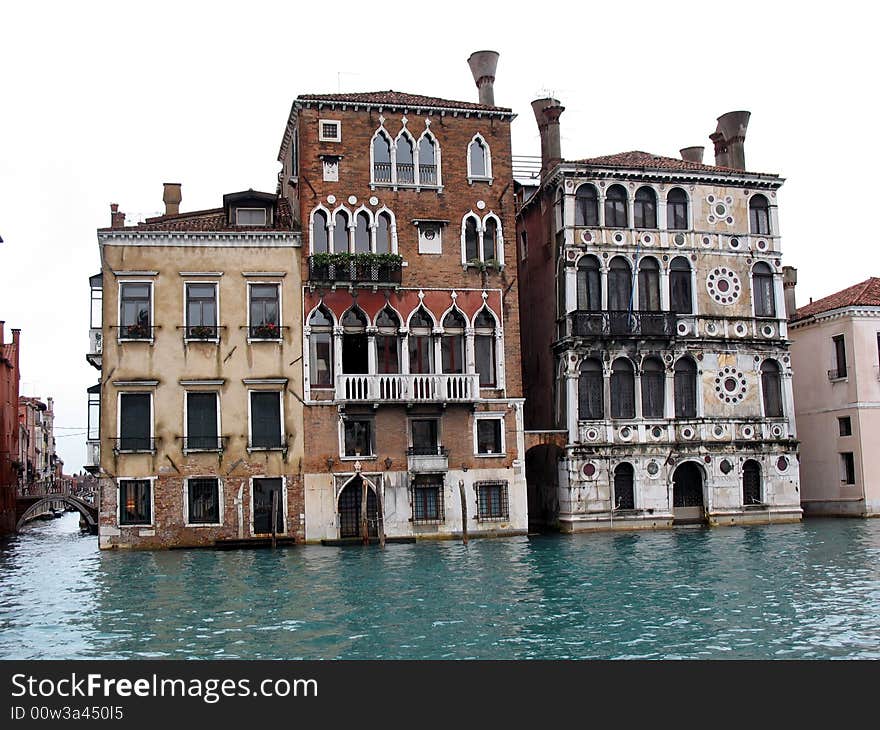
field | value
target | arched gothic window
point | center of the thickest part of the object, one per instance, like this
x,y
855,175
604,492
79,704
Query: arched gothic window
x,y
340,232
649,285
586,206
320,233
653,387
452,342
759,215
381,158
680,298
383,233
484,348
589,284
762,290
427,161
623,389
677,210
421,342
404,160
479,159
387,341
321,348
616,214
619,285
645,208
354,342
591,390
685,388
362,233
771,389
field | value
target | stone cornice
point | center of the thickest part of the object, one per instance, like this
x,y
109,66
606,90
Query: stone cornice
x,y
851,311
222,239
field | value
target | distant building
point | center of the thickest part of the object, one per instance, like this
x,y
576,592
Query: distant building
x,y
195,427
836,358
10,463
36,444
654,338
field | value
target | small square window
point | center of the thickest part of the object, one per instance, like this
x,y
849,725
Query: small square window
x,y
489,436
358,437
845,425
135,502
492,501
425,436
203,501
427,499
250,217
430,237
329,131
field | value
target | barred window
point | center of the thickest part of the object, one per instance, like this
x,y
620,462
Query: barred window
x,y
203,497
492,502
427,499
135,504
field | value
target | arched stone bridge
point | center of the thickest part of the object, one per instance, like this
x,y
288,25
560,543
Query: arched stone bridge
x,y
28,508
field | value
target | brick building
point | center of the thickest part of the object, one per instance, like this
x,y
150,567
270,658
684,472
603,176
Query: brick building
x,y
195,429
36,445
654,344
411,373
9,429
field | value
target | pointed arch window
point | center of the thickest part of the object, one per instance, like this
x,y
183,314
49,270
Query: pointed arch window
x,y
354,342
428,167
452,343
645,208
481,240
586,206
490,238
677,210
623,389
479,160
387,341
421,342
759,215
484,348
321,348
649,285
653,388
616,201
383,233
685,388
589,285
762,290
771,389
624,495
591,389
471,239
340,232
680,297
404,162
362,233
619,285
381,158
320,232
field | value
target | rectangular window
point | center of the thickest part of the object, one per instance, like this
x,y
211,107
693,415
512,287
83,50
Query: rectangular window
x,y
266,430
250,216
203,501
387,354
329,131
676,215
201,422
844,424
489,436
135,506
427,499
421,354
201,311
264,307
321,344
430,238
358,436
839,357
135,311
492,503
425,436
523,245
484,352
847,468
135,422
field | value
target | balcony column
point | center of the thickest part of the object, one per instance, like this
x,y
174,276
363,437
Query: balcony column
x,y
372,359
669,399
470,365
637,393
788,402
606,390
437,344
701,410
337,351
631,209
601,211
404,351
664,289
501,381
603,273
571,303
661,212
571,411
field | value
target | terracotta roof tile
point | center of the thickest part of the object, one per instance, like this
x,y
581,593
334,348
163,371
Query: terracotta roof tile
x,y
646,161
399,98
864,294
213,219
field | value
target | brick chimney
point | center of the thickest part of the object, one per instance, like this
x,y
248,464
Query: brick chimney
x,y
171,196
692,154
483,65
547,113
789,281
729,139
117,219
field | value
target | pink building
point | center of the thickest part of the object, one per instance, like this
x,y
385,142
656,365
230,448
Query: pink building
x,y
9,378
836,360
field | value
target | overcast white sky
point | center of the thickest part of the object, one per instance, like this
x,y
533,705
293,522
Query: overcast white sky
x,y
103,101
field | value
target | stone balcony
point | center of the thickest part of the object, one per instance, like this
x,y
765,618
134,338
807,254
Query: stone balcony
x,y
427,460
96,347
400,388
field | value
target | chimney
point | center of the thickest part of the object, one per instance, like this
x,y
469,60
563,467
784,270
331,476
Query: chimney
x,y
732,127
721,156
483,65
692,154
789,280
547,113
117,219
171,197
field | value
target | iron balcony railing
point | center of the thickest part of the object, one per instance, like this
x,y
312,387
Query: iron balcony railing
x,y
408,388
136,331
202,331
427,451
622,323
135,444
354,272
204,443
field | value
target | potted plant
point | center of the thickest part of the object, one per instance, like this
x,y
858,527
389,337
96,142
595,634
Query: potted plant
x,y
266,331
201,332
137,331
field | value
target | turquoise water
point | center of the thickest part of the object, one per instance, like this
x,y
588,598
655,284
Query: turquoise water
x,y
779,591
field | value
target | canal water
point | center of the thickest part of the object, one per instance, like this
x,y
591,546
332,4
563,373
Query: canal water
x,y
810,590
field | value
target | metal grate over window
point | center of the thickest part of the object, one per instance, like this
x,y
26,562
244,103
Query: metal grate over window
x,y
426,497
492,501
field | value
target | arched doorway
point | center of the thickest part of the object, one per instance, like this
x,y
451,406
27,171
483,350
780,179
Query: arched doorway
x,y
542,484
350,509
687,494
